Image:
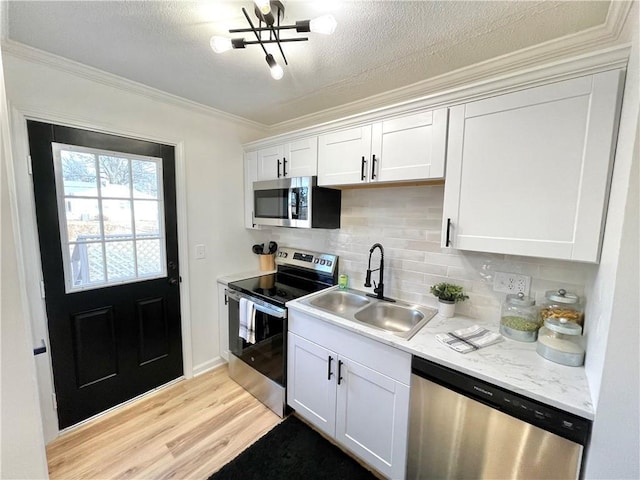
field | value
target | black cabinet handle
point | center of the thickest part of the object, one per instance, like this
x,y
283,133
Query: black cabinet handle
x,y
284,167
329,372
373,168
279,168
362,168
226,299
41,349
448,240
339,371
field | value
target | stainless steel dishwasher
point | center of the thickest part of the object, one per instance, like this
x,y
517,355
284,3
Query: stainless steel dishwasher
x,y
461,427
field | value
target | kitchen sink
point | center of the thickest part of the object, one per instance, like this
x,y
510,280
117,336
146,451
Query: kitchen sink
x,y
399,318
390,317
339,301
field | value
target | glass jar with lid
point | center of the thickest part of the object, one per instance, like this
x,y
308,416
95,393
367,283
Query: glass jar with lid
x,y
560,341
519,318
560,304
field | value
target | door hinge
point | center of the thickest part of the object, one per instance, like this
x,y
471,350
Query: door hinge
x,y
42,289
29,166
54,400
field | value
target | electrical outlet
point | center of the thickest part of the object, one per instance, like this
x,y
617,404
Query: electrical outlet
x,y
511,283
200,252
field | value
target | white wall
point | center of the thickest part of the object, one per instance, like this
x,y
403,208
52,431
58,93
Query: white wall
x,y
615,443
211,145
22,452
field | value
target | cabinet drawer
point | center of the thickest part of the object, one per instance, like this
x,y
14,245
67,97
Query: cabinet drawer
x,y
382,358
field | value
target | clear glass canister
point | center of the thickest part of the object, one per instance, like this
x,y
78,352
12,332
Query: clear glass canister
x,y
519,318
562,304
560,341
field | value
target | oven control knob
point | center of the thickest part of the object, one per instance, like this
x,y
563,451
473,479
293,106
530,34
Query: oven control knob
x,y
316,260
323,261
328,263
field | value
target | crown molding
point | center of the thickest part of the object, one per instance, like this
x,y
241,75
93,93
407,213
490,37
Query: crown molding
x,y
594,62
25,52
585,41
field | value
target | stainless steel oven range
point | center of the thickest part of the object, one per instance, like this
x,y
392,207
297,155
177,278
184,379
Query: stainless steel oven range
x,y
258,320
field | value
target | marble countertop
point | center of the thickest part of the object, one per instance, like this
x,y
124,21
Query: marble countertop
x,y
509,364
226,279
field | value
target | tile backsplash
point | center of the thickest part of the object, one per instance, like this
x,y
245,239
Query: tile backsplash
x,y
407,221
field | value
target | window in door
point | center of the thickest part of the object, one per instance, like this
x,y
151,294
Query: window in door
x,y
111,216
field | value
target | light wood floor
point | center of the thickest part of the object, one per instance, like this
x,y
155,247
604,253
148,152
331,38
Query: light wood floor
x,y
188,430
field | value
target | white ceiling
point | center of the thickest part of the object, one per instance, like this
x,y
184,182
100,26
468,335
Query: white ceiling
x,y
377,46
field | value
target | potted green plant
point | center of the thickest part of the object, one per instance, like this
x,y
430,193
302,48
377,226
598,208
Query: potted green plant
x,y
448,295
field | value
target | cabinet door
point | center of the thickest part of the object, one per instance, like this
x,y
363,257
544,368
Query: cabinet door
x,y
528,173
311,382
270,162
343,157
223,321
301,158
410,148
372,417
250,176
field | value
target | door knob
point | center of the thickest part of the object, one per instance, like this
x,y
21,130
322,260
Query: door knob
x,y
173,281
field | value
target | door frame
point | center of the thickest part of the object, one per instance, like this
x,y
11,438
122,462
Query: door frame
x,y
28,246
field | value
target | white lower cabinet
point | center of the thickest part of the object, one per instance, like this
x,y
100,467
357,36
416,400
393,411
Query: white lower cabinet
x,y
311,382
353,389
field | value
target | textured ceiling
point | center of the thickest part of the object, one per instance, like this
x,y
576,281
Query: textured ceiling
x,y
377,46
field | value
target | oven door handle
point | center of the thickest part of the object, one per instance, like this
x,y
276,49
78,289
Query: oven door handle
x,y
260,305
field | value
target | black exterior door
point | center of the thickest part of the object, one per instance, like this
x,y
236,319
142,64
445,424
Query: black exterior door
x,y
109,250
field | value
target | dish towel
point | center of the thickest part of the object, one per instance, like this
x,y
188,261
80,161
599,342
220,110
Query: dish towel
x,y
469,339
248,320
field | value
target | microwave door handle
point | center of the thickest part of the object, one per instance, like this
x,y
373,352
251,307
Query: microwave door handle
x,y
294,204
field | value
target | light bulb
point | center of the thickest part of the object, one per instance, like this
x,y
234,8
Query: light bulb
x,y
263,5
221,44
276,70
325,24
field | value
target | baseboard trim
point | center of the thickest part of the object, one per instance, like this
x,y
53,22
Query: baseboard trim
x,y
207,366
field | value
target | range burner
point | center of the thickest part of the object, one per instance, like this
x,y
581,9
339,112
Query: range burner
x,y
299,273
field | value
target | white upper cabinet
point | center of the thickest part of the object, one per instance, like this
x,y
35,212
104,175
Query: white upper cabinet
x,y
270,162
301,158
293,159
343,156
528,172
411,147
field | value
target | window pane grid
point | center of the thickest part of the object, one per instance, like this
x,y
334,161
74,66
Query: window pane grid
x,y
111,217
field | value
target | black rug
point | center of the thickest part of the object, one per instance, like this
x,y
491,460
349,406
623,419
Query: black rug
x,y
293,450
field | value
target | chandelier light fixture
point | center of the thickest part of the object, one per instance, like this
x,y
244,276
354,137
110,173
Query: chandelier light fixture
x,y
269,14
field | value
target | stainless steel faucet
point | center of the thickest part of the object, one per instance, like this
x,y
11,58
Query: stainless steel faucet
x,y
378,290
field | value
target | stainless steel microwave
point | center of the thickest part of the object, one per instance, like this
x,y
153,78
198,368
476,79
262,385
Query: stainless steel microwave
x,y
296,202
